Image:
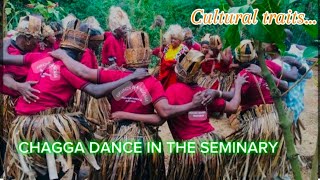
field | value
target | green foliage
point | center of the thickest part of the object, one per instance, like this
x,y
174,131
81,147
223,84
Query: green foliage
x,y
49,10
142,13
310,52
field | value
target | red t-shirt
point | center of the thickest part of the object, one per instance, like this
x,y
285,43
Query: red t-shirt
x,y
182,127
55,83
113,47
274,68
56,45
195,46
207,66
250,95
223,67
138,97
89,59
19,73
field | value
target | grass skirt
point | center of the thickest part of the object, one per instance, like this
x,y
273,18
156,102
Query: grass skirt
x,y
8,115
96,111
224,80
258,124
132,166
197,166
50,125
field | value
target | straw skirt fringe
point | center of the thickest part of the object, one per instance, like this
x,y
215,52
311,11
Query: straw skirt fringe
x,y
225,80
258,124
8,115
96,111
51,125
197,166
132,166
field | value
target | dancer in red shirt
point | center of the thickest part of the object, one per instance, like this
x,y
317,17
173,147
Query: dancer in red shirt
x,y
189,40
258,121
194,125
14,77
221,76
114,45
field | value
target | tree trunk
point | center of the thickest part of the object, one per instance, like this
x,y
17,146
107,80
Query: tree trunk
x,y
315,162
230,2
283,119
4,19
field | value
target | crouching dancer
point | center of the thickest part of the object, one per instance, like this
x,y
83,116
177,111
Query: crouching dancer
x,y
46,120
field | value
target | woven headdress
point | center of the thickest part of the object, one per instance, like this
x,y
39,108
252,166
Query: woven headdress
x,y
29,25
118,18
245,52
76,35
215,42
138,51
176,31
188,68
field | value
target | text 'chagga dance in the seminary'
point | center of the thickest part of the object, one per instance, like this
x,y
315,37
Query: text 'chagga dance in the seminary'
x,y
160,90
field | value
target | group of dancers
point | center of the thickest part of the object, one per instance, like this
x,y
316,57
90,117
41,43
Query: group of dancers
x,y
56,89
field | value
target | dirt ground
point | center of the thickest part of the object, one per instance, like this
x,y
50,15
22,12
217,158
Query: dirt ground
x,y
309,119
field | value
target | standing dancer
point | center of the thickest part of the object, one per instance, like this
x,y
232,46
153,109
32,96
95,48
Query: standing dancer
x,y
221,76
172,53
114,44
194,125
258,122
189,40
14,77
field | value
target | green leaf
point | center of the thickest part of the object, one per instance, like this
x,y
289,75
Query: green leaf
x,y
51,3
312,30
310,52
11,5
8,11
292,1
232,36
234,10
50,10
240,9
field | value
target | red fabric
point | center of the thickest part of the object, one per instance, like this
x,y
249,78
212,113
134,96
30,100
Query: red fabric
x,y
113,47
222,67
274,68
250,95
156,50
89,59
181,127
56,45
138,97
206,67
56,84
195,46
19,73
167,75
